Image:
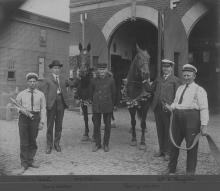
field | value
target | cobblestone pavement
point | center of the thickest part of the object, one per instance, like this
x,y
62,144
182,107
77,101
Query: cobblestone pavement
x,y
77,158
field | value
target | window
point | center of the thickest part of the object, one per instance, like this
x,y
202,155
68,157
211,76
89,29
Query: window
x,y
11,70
43,38
176,60
41,64
95,60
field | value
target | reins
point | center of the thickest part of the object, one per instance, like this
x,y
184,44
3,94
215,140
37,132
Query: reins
x,y
195,141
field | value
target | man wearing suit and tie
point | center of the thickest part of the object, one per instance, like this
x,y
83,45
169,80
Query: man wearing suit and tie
x,y
165,88
54,88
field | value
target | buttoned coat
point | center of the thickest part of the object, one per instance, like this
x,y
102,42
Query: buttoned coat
x,y
165,90
102,94
49,87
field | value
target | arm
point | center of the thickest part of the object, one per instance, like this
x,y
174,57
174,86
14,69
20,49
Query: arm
x,y
113,90
42,112
204,111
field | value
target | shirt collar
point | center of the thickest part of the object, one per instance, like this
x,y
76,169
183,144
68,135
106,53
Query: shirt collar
x,y
34,91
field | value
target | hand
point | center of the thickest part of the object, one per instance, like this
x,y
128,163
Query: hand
x,y
168,107
41,126
204,130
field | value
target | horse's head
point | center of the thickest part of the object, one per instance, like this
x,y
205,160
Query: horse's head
x,y
142,60
84,60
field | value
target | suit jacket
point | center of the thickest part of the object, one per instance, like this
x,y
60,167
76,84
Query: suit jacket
x,y
49,87
165,90
102,94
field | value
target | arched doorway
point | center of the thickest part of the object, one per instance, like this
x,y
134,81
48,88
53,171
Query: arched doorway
x,y
122,49
204,54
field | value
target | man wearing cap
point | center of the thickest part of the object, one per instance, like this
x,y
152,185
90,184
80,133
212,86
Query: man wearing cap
x,y
34,102
165,89
54,88
190,116
103,96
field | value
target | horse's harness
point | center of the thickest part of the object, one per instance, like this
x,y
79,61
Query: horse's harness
x,y
136,102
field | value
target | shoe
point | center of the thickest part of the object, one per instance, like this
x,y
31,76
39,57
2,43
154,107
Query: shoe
x,y
48,150
106,148
159,154
21,170
95,148
168,172
34,165
166,157
57,147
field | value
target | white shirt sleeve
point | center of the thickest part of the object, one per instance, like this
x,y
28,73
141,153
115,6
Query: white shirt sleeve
x,y
203,106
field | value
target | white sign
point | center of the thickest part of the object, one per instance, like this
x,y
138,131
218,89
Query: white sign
x,y
73,50
173,3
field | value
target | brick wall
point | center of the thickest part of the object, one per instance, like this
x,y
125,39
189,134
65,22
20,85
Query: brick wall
x,y
20,45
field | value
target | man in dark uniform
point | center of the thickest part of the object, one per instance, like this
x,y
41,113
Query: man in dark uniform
x,y
103,97
190,116
34,102
54,88
165,89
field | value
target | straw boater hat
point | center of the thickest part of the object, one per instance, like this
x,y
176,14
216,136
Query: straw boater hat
x,y
31,75
55,63
166,62
190,68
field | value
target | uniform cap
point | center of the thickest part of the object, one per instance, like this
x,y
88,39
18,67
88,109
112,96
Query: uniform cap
x,y
167,62
190,68
31,75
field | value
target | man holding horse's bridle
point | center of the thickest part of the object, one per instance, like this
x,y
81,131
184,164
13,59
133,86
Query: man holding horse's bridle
x,y
165,89
190,117
103,97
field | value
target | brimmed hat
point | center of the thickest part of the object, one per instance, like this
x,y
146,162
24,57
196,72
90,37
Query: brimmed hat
x,y
31,75
190,68
166,62
55,63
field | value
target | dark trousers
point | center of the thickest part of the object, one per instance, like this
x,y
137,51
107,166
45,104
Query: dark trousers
x,y
28,131
186,124
162,118
97,124
55,115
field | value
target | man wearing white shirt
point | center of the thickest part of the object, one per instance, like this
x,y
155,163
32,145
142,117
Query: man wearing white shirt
x,y
190,116
34,101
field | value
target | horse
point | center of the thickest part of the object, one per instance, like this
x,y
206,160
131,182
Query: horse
x,y
82,84
138,93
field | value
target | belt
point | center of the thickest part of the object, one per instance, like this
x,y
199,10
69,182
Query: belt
x,y
35,112
185,110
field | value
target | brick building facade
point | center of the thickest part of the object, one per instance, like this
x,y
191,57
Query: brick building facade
x,y
114,27
28,43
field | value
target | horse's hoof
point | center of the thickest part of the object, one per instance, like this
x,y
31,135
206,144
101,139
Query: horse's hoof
x,y
85,138
142,147
113,125
133,143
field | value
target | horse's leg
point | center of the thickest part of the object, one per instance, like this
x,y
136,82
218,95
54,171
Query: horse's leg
x,y
86,120
132,112
144,109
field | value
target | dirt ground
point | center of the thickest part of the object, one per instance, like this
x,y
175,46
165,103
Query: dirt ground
x,y
77,158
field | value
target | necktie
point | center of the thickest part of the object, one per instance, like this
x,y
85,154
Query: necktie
x,y
32,100
181,97
58,84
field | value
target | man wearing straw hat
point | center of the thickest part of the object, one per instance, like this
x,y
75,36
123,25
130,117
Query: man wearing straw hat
x,y
190,116
34,101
